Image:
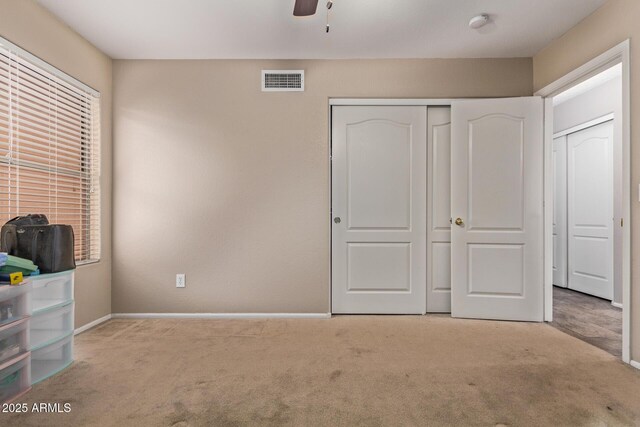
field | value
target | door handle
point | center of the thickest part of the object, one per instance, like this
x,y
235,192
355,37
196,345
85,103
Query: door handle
x,y
337,220
459,222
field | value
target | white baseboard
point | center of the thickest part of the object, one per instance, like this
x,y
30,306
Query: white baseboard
x,y
635,364
616,304
90,325
221,315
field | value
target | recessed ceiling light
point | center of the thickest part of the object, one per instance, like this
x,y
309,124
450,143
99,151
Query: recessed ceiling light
x,y
479,21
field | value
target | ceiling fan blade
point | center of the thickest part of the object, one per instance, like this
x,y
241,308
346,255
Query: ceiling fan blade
x,y
305,7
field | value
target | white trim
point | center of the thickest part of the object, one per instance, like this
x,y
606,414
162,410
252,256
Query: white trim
x,y
330,217
221,315
626,202
90,325
586,71
548,212
391,102
616,304
588,85
585,125
48,67
635,364
618,54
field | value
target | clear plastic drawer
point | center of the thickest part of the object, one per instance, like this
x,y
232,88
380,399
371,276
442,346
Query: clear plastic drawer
x,y
14,339
13,303
14,378
51,290
48,326
50,360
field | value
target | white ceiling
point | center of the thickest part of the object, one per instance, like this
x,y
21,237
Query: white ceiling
x,y
180,29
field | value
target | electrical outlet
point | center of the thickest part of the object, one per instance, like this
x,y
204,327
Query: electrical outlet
x,y
181,280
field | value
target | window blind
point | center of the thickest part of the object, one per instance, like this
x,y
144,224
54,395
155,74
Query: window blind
x,y
49,148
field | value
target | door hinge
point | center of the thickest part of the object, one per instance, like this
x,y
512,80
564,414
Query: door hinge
x,y
621,222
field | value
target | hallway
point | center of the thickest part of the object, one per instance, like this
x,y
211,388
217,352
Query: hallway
x,y
591,319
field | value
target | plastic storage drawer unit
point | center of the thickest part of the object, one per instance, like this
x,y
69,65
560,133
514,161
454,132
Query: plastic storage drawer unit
x,y
48,326
13,302
14,378
51,290
14,339
50,360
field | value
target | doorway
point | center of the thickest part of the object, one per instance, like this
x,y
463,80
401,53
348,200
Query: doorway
x,y
587,213
588,195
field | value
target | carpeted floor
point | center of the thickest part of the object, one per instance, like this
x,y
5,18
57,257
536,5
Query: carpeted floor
x,y
351,371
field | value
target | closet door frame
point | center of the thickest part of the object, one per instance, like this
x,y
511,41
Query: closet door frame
x,y
389,102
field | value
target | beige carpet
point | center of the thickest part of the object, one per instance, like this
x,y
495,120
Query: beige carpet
x,y
351,371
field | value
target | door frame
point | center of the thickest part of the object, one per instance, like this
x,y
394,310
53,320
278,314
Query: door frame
x,y
619,54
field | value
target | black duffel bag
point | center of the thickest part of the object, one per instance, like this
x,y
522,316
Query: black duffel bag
x,y
31,219
49,246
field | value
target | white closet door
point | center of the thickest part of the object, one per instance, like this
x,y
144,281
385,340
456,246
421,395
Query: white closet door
x,y
497,206
379,206
559,158
439,210
590,210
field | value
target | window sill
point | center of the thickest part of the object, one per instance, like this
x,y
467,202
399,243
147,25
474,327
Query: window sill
x,y
87,263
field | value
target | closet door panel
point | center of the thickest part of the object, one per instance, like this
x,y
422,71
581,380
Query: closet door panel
x,y
590,210
439,210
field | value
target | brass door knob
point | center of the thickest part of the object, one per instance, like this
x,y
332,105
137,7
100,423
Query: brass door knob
x,y
459,221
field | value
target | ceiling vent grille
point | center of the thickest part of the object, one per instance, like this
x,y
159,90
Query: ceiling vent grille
x,y
282,80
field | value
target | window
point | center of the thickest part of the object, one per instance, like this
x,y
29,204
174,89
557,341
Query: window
x,y
49,147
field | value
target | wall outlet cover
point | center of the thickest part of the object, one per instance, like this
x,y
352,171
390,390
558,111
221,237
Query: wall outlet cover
x,y
181,280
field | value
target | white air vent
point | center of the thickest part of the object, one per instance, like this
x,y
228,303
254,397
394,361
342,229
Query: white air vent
x,y
282,80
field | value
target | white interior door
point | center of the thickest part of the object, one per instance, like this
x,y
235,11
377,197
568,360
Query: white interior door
x,y
379,209
497,207
559,159
590,210
439,210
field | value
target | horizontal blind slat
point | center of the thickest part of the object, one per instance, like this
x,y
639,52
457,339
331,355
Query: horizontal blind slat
x,y
39,81
30,87
23,124
46,114
51,94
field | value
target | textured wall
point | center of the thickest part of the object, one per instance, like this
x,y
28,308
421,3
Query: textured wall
x,y
230,185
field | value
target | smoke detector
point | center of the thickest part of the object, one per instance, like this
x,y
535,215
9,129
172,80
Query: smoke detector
x,y
479,21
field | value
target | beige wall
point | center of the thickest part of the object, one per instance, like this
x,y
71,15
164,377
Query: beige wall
x,y
230,185
612,23
31,27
